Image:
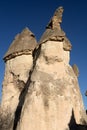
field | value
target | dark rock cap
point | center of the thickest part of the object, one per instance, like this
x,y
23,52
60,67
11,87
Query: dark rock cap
x,y
54,32
22,44
52,35
56,19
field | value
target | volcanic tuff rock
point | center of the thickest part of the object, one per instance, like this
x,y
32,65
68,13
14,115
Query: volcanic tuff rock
x,y
44,89
23,44
19,62
75,69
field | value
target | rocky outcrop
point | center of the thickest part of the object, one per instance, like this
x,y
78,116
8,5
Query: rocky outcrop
x,y
19,61
53,92
47,92
76,70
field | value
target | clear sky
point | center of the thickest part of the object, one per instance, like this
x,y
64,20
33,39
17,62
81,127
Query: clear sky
x,y
15,15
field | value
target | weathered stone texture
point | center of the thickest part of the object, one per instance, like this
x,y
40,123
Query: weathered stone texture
x,y
76,70
53,92
19,61
17,71
56,19
40,88
24,43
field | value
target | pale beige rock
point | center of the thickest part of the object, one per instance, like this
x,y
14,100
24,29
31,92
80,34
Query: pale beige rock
x,y
16,73
53,92
53,51
17,70
18,63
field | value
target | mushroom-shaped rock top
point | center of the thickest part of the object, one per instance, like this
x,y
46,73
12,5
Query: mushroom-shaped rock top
x,y
54,32
52,35
53,29
23,43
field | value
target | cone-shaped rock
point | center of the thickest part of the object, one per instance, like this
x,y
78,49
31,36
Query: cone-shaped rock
x,y
53,92
41,94
54,32
22,44
19,61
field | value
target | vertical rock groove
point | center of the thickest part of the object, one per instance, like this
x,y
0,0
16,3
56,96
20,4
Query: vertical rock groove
x,y
22,96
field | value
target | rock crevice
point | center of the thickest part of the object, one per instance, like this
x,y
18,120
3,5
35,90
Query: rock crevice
x,y
46,86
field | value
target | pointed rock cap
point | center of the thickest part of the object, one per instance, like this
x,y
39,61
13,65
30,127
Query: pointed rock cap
x,y
54,32
56,19
52,35
22,44
53,29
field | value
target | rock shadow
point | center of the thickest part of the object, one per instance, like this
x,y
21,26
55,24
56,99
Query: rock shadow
x,y
74,126
23,93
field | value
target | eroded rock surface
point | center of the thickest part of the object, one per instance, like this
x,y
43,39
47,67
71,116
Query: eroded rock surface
x,y
18,63
42,92
54,91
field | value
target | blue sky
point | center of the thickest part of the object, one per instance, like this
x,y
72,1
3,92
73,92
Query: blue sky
x,y
17,14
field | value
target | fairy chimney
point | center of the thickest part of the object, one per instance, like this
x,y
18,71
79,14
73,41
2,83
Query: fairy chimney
x,y
53,92
18,63
43,91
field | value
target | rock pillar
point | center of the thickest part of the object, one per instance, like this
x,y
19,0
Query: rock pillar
x,y
18,63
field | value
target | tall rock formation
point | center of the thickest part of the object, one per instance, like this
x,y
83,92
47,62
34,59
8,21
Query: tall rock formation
x,y
53,93
18,62
43,92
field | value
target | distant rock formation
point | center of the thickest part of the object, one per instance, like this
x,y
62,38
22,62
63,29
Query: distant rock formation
x,y
40,88
76,70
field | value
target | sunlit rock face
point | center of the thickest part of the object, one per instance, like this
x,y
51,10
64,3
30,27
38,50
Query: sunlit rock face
x,y
16,73
18,63
53,92
40,88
